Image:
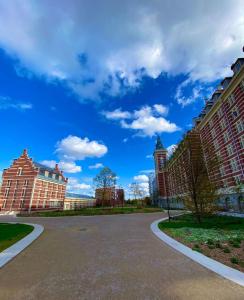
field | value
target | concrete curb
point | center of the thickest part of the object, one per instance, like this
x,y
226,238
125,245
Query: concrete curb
x,y
15,249
211,264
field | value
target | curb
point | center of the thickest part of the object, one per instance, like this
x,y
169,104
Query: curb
x,y
15,249
209,263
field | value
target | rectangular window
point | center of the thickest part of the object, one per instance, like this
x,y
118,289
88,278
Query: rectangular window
x,y
9,183
242,85
222,171
23,193
216,144
19,171
223,124
225,183
220,112
211,123
242,142
46,173
213,133
226,136
239,126
237,179
26,183
234,165
230,149
231,99
6,193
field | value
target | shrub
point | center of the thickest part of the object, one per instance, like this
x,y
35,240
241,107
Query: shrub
x,y
226,250
210,242
234,260
218,245
211,246
236,245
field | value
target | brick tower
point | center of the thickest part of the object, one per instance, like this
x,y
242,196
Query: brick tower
x,y
160,156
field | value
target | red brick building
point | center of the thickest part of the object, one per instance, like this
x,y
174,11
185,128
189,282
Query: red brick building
x,y
220,126
27,185
109,196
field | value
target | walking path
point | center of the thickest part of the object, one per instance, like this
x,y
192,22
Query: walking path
x,y
107,257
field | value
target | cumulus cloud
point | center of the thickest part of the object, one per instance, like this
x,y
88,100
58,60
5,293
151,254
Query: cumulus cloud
x,y
171,149
66,166
117,114
78,187
107,46
141,178
76,148
8,103
96,166
147,121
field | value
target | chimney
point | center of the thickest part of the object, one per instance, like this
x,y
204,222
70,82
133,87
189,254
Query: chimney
x,y
25,152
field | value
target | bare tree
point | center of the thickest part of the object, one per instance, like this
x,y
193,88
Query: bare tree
x,y
105,182
194,175
137,191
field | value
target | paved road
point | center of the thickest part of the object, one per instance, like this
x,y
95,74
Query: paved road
x,y
107,257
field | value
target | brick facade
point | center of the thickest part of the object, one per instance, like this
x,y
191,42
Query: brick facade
x,y
27,185
219,127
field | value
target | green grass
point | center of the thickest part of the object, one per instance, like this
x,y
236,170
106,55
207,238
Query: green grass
x,y
212,230
93,211
11,233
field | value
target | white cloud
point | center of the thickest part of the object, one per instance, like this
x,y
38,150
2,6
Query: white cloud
x,y
117,114
149,156
96,166
66,166
78,187
171,149
8,103
141,178
161,109
197,39
76,148
147,121
147,171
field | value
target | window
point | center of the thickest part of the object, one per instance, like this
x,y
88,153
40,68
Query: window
x,y
223,124
213,133
225,183
230,149
23,193
6,193
46,173
9,183
234,165
19,171
226,136
237,179
239,126
242,85
211,123
231,99
235,112
222,171
242,142
220,112
216,144
26,183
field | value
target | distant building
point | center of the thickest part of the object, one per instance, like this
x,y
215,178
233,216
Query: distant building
x,y
28,185
109,196
74,201
219,127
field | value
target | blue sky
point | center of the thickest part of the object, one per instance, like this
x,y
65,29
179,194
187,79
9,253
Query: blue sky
x,y
89,88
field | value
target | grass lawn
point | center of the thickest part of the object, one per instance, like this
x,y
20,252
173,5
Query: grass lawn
x,y
92,211
219,237
12,233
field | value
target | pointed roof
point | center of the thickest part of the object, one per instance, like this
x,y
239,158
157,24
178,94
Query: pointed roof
x,y
159,145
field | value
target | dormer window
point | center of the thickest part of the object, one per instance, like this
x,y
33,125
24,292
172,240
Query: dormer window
x,y
54,175
60,177
46,173
19,171
231,99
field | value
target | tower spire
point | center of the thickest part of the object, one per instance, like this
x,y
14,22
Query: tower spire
x,y
159,144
